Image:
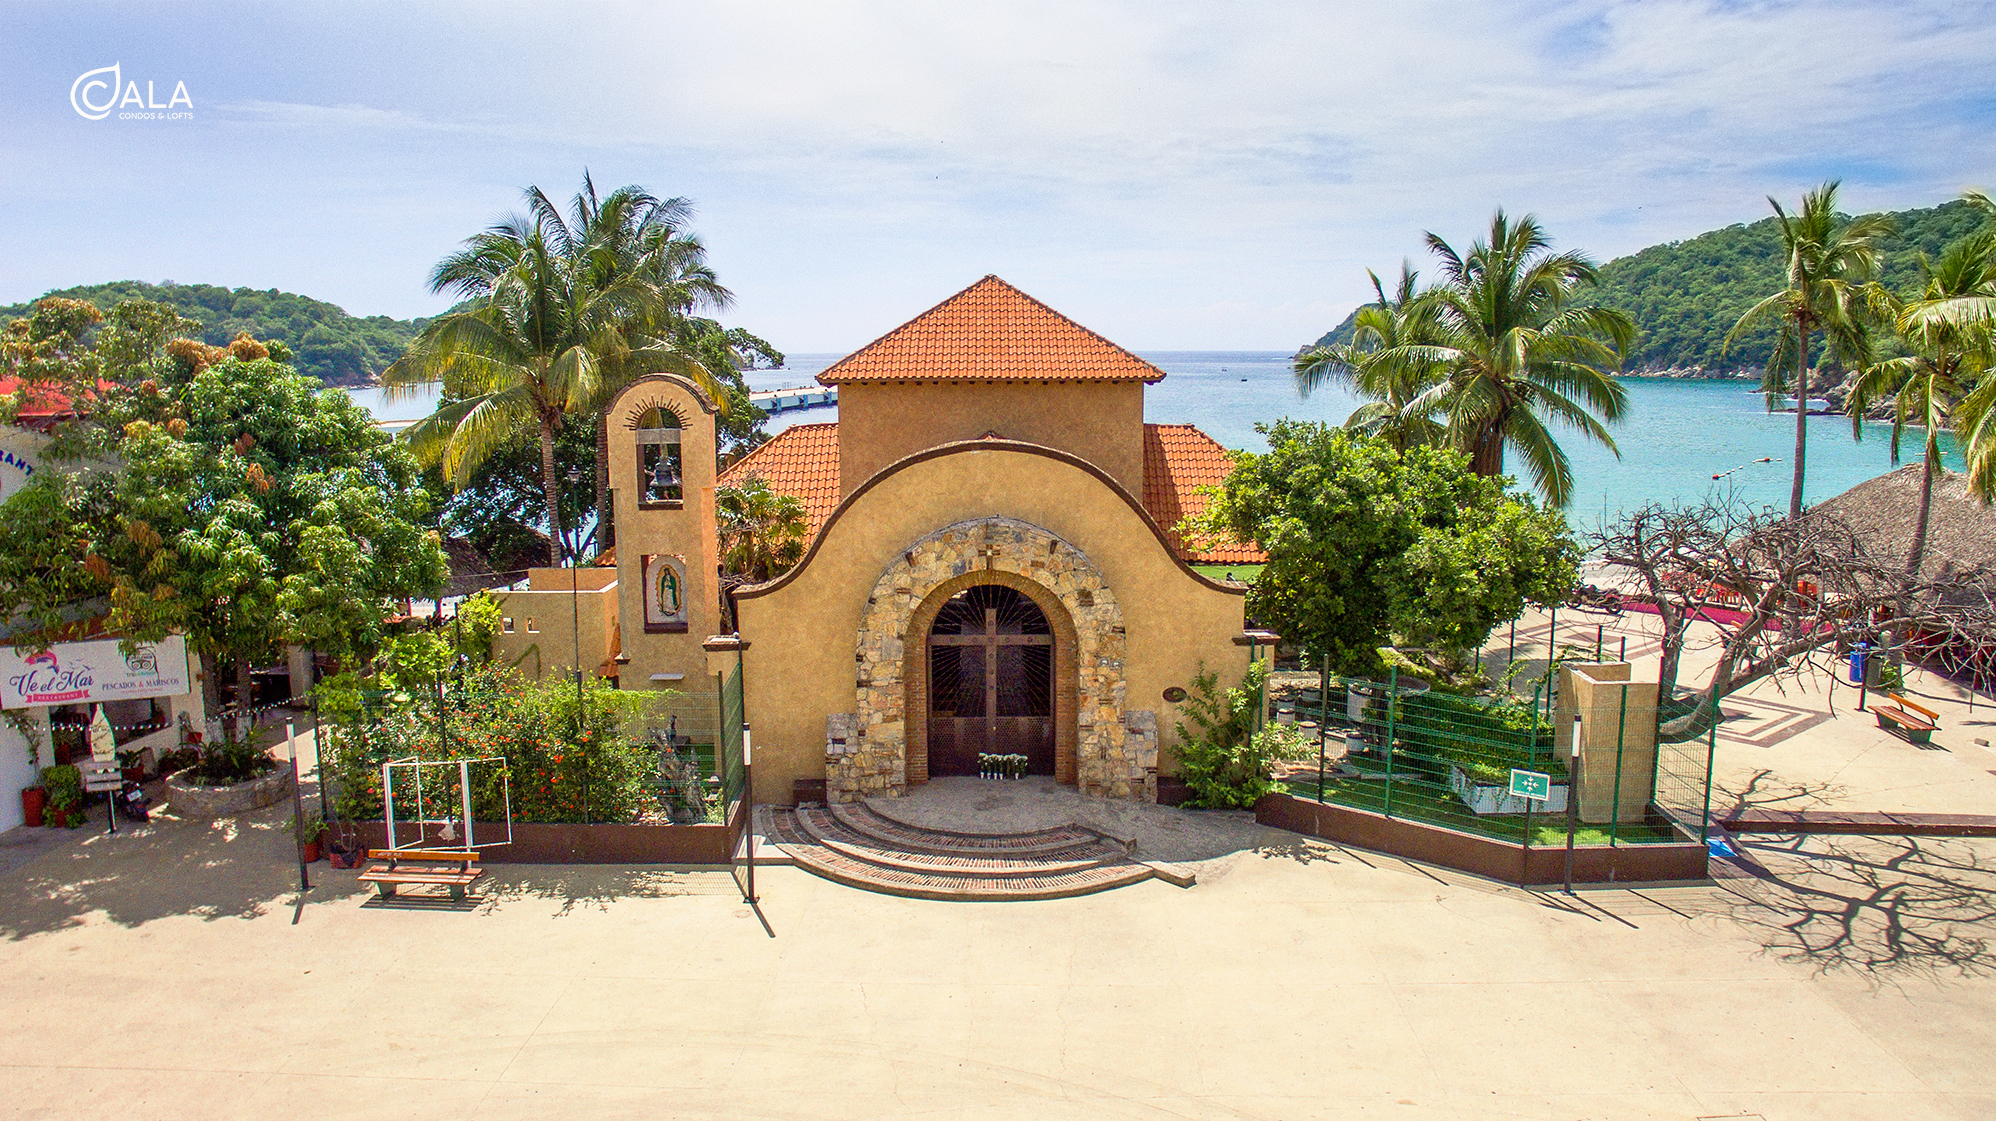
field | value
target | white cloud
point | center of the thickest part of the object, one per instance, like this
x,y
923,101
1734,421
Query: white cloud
x,y
1176,176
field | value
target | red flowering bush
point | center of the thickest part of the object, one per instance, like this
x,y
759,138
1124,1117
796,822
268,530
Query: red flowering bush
x,y
562,762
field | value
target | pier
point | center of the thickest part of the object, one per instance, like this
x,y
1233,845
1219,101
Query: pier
x,y
773,401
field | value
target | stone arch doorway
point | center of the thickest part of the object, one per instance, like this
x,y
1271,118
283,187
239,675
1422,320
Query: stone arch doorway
x,y
990,681
886,743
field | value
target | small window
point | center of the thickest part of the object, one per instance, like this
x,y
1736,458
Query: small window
x,y
659,480
506,624
531,628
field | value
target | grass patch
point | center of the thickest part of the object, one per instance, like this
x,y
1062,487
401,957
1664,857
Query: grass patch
x,y
1242,572
1424,802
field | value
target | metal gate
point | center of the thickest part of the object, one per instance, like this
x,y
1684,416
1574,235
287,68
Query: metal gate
x,y
732,763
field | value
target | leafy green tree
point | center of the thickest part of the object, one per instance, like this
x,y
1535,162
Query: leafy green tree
x,y
328,344
1684,296
1365,543
1943,363
1383,361
762,532
563,312
1969,319
250,509
1518,352
1827,262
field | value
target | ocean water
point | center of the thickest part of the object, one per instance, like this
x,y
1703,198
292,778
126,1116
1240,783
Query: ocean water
x,y
1676,436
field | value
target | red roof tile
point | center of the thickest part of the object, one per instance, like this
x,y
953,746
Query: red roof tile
x,y
991,331
802,460
1178,459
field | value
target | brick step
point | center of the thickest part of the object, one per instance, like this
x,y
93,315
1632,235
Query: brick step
x,y
943,884
871,823
827,830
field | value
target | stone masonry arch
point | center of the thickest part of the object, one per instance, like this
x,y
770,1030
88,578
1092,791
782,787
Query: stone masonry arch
x,y
882,745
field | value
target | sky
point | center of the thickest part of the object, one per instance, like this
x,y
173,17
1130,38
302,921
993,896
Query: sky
x,y
1176,176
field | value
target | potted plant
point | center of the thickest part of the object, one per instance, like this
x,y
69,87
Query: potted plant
x,y
65,797
313,829
131,766
33,798
344,851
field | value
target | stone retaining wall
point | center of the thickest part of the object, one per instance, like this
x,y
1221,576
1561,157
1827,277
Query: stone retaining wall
x,y
886,744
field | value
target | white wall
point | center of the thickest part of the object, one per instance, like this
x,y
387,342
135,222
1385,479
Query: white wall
x,y
17,772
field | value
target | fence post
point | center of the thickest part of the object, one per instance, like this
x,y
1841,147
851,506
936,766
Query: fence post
x,y
1323,720
1615,813
1392,702
1711,749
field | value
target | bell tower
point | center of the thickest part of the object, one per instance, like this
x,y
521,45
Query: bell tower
x,y
659,471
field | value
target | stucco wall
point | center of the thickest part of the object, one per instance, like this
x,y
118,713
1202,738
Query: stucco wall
x,y
800,665
552,609
17,771
686,531
1101,422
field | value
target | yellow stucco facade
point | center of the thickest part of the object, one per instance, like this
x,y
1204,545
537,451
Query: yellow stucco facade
x,y
802,629
989,448
1102,422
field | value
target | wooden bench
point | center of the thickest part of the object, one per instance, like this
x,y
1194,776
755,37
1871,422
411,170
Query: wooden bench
x,y
1902,713
444,868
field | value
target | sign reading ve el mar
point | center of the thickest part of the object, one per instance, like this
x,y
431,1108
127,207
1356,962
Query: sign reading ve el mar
x,y
86,672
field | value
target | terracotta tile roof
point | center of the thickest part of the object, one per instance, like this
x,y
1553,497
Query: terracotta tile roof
x,y
991,331
802,460
1178,459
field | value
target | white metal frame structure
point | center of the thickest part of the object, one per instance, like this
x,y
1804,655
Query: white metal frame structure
x,y
415,768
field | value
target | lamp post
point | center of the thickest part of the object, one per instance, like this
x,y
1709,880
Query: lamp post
x,y
575,632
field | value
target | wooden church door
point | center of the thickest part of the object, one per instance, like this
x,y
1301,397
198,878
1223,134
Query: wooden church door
x,y
990,681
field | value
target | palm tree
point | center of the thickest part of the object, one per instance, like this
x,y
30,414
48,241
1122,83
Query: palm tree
x,y
1377,364
562,313
762,532
1944,361
1517,352
1828,261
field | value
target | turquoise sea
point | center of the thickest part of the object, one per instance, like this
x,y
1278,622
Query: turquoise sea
x,y
1678,434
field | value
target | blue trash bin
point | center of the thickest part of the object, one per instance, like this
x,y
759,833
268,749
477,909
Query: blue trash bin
x,y
1857,656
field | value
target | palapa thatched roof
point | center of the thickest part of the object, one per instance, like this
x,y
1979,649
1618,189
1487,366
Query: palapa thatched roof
x,y
1961,529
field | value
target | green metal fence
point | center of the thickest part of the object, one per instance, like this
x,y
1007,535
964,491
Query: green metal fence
x,y
1446,760
1684,771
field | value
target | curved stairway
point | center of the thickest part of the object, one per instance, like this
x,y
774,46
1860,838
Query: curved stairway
x,y
856,845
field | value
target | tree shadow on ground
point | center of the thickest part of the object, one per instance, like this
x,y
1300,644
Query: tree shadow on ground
x,y
235,867
595,886
1764,790
1884,908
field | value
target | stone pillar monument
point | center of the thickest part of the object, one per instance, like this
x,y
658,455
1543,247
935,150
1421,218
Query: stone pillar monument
x,y
1596,691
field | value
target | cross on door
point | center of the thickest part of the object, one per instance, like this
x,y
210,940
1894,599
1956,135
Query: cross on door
x,y
989,553
989,640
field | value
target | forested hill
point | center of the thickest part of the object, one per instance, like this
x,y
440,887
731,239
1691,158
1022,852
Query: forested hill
x,y
326,342
1685,295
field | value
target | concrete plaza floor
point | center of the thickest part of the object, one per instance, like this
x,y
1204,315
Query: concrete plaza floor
x,y
174,971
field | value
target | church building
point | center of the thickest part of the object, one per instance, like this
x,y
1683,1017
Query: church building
x,y
993,565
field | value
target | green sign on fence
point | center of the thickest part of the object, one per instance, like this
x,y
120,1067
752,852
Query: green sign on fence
x,y
1530,784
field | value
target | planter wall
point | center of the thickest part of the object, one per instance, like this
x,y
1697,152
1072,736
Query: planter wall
x,y
1483,798
189,800
1484,856
569,843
